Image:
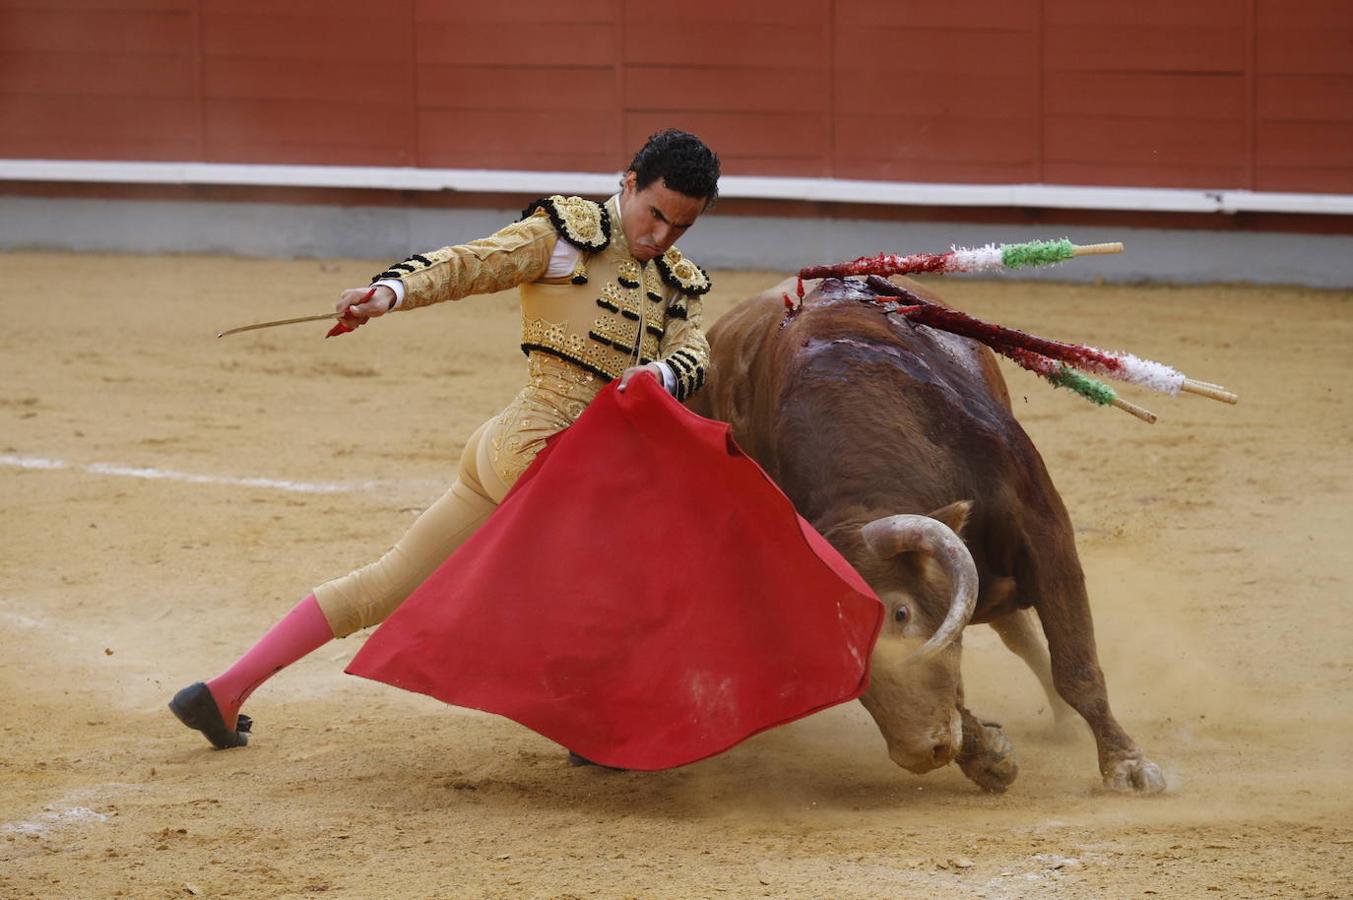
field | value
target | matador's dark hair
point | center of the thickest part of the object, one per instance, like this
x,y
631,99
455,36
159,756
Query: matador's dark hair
x,y
682,161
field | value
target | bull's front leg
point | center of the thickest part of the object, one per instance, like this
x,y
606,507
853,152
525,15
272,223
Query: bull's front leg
x,y
1065,615
986,756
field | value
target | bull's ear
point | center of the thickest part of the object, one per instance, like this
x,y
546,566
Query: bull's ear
x,y
955,515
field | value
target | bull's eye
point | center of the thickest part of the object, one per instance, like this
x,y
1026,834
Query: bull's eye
x,y
901,615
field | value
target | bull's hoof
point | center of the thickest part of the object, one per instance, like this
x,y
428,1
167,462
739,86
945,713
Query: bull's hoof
x,y
988,757
1136,774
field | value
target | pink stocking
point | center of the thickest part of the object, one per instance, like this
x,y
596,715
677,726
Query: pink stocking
x,y
302,631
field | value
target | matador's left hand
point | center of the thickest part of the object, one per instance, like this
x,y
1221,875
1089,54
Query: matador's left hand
x,y
650,368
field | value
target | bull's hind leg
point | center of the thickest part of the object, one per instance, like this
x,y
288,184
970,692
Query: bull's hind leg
x,y
1064,611
1021,636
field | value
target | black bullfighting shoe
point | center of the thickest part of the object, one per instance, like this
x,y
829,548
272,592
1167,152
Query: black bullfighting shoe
x,y
196,707
575,759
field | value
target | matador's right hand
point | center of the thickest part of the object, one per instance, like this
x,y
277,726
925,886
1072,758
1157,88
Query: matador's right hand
x,y
359,304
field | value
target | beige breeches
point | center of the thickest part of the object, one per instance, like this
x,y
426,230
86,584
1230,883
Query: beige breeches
x,y
494,457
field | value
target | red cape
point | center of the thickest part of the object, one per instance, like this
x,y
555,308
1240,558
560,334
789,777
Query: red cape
x,y
644,595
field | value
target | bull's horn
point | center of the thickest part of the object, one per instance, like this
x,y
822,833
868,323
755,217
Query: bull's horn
x,y
892,535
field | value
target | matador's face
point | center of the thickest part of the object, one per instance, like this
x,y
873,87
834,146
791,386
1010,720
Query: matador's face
x,y
655,217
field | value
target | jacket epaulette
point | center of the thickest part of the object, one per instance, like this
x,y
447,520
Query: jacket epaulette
x,y
583,223
682,273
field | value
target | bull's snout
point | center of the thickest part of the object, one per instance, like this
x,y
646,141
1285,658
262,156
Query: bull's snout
x,y
938,748
941,754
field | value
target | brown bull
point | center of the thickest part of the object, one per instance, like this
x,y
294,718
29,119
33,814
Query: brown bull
x,y
861,417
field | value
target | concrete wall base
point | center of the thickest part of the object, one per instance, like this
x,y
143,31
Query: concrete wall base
x,y
720,241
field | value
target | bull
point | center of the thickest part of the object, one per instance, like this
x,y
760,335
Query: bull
x,y
893,440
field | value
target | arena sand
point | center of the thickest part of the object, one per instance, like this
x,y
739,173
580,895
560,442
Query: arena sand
x,y
1216,544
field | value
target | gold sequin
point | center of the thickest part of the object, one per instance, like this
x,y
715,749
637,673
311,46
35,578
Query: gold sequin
x,y
651,346
614,329
581,222
652,283
682,274
555,395
554,337
629,273
579,274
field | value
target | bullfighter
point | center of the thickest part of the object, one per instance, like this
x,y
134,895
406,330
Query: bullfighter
x,y
605,295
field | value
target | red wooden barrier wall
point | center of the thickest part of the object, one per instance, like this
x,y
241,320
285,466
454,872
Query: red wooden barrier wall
x,y
1211,93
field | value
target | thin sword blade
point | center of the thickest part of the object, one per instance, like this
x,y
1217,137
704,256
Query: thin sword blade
x,y
255,327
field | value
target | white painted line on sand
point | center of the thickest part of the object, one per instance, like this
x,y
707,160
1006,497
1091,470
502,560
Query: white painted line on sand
x,y
298,487
52,820
32,462
21,620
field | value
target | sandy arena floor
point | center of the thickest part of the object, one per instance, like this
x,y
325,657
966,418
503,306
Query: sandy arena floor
x,y
1217,546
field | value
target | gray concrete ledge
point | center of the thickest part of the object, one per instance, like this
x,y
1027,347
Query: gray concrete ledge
x,y
733,242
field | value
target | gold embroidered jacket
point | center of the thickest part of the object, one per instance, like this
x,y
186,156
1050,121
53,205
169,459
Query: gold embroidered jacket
x,y
610,313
